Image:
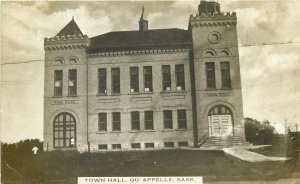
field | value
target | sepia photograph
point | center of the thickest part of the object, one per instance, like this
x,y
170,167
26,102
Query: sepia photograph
x,y
158,92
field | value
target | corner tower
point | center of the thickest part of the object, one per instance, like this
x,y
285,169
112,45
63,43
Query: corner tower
x,y
65,89
218,93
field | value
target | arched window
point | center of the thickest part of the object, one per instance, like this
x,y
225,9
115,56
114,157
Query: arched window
x,y
73,59
220,121
219,110
64,131
209,53
224,53
59,60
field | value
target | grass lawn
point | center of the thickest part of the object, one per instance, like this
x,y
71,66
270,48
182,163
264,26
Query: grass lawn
x,y
65,167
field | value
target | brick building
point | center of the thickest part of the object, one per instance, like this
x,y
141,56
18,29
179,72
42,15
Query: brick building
x,y
144,89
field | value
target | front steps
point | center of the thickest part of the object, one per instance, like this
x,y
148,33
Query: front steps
x,y
225,142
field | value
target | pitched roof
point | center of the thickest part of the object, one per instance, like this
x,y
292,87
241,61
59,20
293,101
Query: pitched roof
x,y
139,40
70,29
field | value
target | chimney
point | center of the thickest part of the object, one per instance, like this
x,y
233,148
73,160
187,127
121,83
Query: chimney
x,y
143,24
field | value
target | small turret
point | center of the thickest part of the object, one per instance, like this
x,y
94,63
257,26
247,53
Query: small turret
x,y
143,24
208,7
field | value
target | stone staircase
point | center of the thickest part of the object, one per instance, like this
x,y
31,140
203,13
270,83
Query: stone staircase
x,y
225,142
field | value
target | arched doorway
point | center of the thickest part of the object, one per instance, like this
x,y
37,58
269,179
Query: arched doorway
x,y
220,121
64,131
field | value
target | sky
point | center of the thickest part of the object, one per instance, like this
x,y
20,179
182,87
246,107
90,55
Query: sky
x,y
270,72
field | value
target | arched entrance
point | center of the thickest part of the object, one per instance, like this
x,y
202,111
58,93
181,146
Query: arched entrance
x,y
220,121
64,131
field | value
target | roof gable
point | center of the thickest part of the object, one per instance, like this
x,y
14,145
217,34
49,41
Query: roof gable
x,y
70,29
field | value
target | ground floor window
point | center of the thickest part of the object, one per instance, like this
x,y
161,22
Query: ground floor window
x,y
149,145
116,146
183,144
136,146
64,131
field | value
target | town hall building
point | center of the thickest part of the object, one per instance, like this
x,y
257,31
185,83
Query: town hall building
x,y
144,89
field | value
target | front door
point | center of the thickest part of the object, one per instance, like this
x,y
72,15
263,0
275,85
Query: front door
x,y
220,122
221,125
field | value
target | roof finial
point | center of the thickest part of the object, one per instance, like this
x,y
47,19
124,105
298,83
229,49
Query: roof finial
x,y
142,16
73,17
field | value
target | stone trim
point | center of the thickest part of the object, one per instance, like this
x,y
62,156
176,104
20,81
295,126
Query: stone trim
x,y
137,52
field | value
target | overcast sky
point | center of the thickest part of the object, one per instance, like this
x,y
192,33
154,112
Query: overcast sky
x,y
270,73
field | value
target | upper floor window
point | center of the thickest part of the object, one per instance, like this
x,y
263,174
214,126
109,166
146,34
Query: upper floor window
x,y
166,77
210,75
115,78
73,82
180,83
116,121
181,116
102,80
148,79
134,79
225,75
58,78
168,121
102,122
149,120
135,120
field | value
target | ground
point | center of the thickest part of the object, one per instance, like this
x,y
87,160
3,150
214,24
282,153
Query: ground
x,y
214,166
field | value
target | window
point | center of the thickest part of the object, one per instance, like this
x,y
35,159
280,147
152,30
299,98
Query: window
x,y
102,80
116,146
148,79
134,79
149,120
181,116
169,144
149,145
225,75
102,122
183,144
136,146
58,78
102,146
115,78
166,77
168,119
210,75
73,82
116,121
180,84
135,120
64,131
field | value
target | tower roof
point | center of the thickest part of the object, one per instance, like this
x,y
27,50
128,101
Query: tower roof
x,y
70,29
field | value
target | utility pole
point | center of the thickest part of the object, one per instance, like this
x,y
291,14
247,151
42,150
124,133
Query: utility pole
x,y
296,126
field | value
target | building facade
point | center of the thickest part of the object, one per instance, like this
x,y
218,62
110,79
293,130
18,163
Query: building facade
x,y
144,89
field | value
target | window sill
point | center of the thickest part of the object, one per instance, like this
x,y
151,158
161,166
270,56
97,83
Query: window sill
x,y
167,130
116,131
102,94
182,129
225,88
210,89
57,96
115,94
103,132
134,131
150,92
166,91
134,93
72,96
148,131
180,91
